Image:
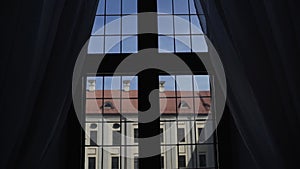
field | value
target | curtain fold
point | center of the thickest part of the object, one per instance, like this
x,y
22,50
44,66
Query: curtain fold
x,y
258,42
42,40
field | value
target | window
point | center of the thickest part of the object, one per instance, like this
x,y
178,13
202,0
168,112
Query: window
x,y
136,135
161,131
183,105
181,135
92,163
116,137
111,102
93,138
162,162
136,163
179,27
115,27
199,133
115,163
202,160
181,161
108,105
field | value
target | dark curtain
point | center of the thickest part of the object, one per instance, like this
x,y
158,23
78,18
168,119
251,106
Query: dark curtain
x,y
40,43
258,43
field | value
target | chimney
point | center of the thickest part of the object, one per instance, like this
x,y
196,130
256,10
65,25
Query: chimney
x,y
162,86
92,85
126,85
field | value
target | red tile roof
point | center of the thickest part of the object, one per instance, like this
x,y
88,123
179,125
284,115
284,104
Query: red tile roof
x,y
201,102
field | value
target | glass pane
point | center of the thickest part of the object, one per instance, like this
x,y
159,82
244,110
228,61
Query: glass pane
x,y
130,83
129,44
93,106
100,8
112,44
129,106
199,43
181,7
164,6
167,106
167,86
166,44
98,26
192,7
165,24
201,83
182,44
129,24
195,25
113,25
184,85
94,87
96,44
113,7
129,6
182,24
112,86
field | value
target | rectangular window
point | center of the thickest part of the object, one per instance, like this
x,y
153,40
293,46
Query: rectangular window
x,y
181,135
136,163
162,162
202,160
161,135
116,137
93,138
92,163
181,161
115,163
136,135
199,133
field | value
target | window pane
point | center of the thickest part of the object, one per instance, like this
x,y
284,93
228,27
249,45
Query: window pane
x,y
136,163
182,44
129,24
129,44
202,160
113,7
93,138
116,138
181,7
165,24
192,7
199,43
136,135
100,8
113,25
184,85
167,86
112,44
111,85
115,163
92,163
96,44
164,6
98,26
129,6
195,25
201,83
180,135
182,24
181,161
166,44
94,87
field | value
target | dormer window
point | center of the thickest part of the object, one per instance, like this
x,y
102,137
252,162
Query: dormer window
x,y
108,105
184,105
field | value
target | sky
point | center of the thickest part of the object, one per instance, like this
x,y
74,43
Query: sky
x,y
184,82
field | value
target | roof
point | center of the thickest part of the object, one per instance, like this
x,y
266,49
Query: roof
x,y
127,102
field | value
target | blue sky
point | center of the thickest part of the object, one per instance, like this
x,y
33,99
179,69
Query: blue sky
x,y
184,82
